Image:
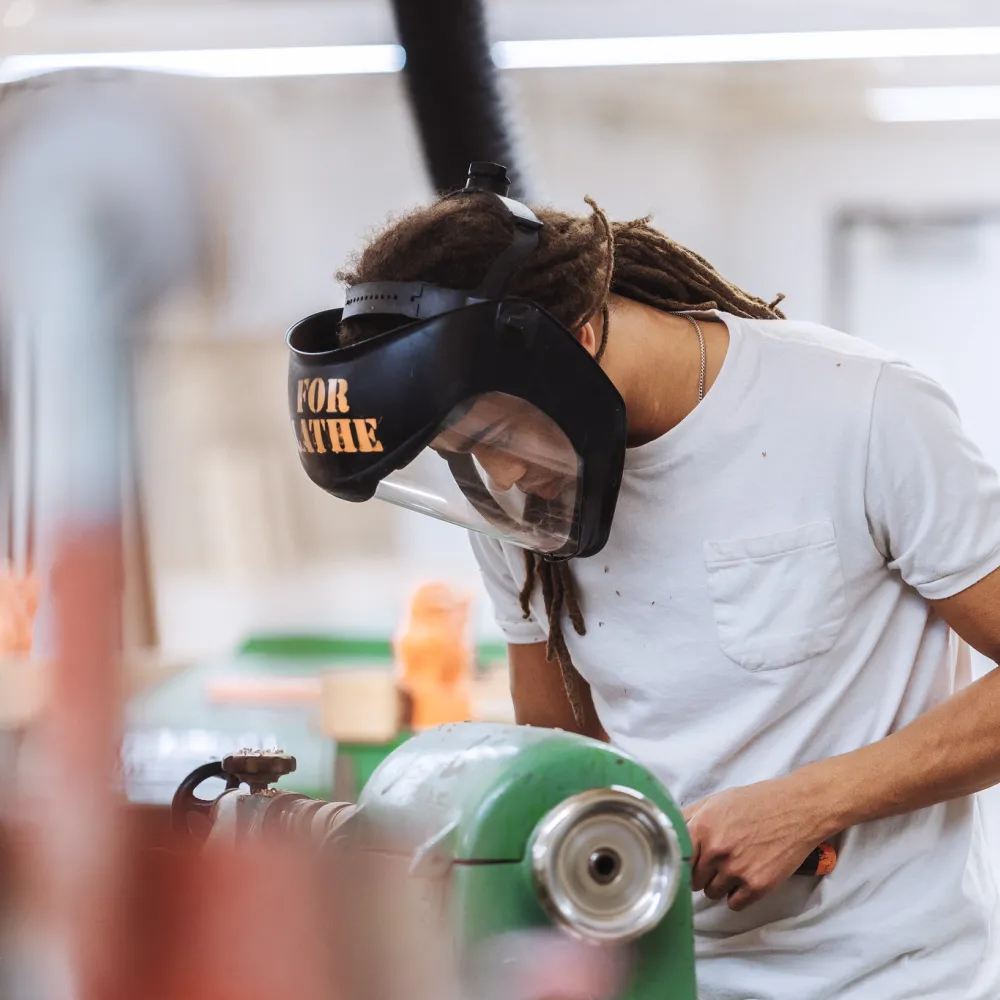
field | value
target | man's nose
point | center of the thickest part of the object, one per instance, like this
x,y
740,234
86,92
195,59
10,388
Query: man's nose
x,y
504,472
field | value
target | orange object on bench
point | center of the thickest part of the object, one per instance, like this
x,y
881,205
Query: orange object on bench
x,y
435,657
18,607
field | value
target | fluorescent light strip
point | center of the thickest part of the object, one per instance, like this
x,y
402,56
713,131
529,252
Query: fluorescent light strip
x,y
797,46
934,104
331,60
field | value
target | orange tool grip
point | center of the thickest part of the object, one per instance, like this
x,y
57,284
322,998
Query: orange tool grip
x,y
822,861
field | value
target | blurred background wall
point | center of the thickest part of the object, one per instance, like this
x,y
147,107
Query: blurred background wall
x,y
778,173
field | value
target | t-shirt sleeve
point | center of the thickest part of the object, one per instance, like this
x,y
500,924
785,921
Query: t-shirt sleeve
x,y
933,501
504,592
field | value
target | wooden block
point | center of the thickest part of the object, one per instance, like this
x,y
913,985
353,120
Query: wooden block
x,y
359,706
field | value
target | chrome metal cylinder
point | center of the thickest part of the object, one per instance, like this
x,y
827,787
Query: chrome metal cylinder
x,y
606,864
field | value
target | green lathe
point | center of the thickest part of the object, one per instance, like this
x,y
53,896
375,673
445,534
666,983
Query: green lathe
x,y
507,828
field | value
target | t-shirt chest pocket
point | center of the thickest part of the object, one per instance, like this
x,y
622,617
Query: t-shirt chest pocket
x,y
779,599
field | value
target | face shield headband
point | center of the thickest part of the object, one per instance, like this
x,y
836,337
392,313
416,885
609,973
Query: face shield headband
x,y
480,410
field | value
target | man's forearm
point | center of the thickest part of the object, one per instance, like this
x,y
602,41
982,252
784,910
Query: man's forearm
x,y
951,751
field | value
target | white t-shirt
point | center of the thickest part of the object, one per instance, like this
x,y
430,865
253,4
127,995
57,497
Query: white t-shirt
x,y
763,603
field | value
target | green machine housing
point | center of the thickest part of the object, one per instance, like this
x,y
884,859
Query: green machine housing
x,y
516,828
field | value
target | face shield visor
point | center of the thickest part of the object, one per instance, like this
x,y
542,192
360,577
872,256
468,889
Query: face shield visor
x,y
481,411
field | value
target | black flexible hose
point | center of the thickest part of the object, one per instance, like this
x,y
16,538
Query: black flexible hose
x,y
454,90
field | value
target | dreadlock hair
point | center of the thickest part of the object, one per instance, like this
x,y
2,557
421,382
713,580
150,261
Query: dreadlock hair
x,y
580,261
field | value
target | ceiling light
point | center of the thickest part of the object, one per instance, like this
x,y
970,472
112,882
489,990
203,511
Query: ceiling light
x,y
793,46
331,60
542,53
934,104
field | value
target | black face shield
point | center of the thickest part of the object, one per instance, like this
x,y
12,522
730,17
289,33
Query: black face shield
x,y
478,409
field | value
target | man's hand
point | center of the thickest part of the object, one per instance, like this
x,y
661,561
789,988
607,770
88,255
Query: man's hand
x,y
747,841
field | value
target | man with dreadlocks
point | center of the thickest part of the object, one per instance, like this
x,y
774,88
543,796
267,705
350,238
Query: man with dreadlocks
x,y
802,532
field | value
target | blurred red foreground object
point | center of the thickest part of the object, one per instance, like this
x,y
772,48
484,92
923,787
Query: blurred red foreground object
x,y
123,919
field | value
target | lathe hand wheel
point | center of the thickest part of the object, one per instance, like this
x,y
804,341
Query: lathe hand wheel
x,y
186,805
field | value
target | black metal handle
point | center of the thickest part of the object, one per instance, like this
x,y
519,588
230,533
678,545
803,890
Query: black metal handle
x,y
186,804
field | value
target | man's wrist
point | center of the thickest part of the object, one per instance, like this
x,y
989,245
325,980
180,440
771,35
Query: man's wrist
x,y
827,790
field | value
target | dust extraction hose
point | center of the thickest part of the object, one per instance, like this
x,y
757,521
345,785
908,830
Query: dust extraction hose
x,y
454,90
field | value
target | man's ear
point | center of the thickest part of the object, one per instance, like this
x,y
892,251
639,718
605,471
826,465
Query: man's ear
x,y
589,337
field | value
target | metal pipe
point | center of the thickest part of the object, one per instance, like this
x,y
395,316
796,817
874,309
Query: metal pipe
x,y
98,222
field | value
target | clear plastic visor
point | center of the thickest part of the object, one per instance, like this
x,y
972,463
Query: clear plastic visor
x,y
499,466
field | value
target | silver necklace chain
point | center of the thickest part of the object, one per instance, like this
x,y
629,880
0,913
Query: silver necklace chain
x,y
704,356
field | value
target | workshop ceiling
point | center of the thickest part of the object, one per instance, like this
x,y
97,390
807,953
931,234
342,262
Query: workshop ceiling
x,y
775,93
